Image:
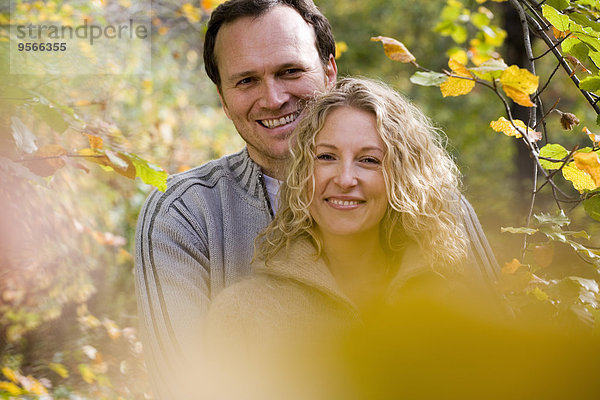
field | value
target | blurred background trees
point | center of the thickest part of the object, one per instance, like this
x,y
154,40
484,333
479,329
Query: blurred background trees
x,y
68,143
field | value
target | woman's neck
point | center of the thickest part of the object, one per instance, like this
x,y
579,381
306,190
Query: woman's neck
x,y
359,265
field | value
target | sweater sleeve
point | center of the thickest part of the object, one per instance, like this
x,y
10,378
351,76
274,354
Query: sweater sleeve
x,y
480,253
173,292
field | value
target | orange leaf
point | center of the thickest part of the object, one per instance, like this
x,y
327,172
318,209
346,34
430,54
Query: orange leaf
x,y
511,267
95,141
47,160
394,49
594,137
519,97
590,163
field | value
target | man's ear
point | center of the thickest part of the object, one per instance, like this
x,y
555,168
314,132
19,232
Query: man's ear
x,y
331,71
223,104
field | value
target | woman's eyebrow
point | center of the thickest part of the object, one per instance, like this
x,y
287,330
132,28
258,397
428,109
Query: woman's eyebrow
x,y
365,148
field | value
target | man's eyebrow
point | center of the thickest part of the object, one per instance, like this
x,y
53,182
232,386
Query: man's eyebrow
x,y
245,74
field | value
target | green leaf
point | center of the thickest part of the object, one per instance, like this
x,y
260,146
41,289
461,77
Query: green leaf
x,y
554,151
149,173
51,116
559,4
595,57
459,34
557,19
480,20
575,47
526,231
428,78
592,207
559,219
590,84
585,21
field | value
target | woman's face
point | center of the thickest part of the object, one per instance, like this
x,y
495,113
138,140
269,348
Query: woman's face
x,y
350,195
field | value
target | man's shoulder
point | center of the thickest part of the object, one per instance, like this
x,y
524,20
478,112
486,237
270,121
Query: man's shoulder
x,y
232,169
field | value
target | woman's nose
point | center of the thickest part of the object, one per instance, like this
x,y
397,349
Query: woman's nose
x,y
346,176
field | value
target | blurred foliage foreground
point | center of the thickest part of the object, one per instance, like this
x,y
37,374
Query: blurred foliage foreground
x,y
67,145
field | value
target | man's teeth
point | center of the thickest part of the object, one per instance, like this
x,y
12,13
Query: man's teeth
x,y
344,202
274,123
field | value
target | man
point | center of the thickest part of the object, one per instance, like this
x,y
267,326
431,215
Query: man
x,y
265,57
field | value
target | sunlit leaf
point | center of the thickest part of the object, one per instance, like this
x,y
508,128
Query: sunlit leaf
x,y
556,18
428,78
590,84
10,374
11,388
191,13
95,141
457,86
580,180
517,130
149,173
24,138
526,231
559,219
554,151
394,49
489,70
559,4
60,369
590,163
518,84
86,373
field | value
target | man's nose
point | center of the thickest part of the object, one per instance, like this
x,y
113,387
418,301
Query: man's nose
x,y
273,94
346,176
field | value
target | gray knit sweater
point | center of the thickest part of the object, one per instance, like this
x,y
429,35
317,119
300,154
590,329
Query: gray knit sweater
x,y
196,239
191,242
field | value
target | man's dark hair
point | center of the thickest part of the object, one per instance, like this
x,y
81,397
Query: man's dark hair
x,y
234,9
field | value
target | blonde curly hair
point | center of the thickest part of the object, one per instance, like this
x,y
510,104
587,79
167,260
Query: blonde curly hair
x,y
421,179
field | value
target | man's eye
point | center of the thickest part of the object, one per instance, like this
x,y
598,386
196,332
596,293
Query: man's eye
x,y
292,71
244,81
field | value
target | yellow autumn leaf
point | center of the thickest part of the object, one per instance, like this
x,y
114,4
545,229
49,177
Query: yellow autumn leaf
x,y
10,374
394,49
340,48
511,267
590,163
60,369
503,125
192,13
86,373
11,388
580,180
455,86
518,84
459,55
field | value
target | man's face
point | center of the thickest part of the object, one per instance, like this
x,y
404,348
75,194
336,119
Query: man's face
x,y
267,65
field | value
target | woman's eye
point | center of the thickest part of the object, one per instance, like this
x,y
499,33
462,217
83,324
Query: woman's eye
x,y
371,160
324,157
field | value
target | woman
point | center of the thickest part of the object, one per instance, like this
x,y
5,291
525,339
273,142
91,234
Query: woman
x,y
370,215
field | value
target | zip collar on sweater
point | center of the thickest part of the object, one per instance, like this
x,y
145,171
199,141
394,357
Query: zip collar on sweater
x,y
301,264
